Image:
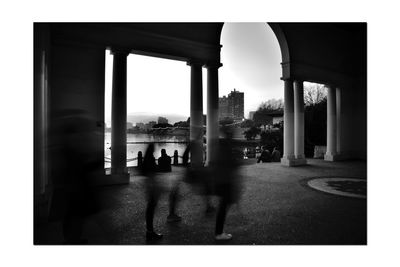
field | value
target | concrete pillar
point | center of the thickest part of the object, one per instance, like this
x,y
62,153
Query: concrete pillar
x,y
212,113
41,111
331,152
118,115
299,123
196,113
288,125
338,121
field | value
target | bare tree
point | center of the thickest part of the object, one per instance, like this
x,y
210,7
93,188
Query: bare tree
x,y
314,93
272,105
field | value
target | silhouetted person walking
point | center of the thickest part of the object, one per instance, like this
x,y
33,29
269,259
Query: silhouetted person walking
x,y
185,156
164,165
73,141
198,177
224,172
153,192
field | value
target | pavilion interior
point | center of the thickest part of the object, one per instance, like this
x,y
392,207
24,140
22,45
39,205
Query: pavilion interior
x,y
69,74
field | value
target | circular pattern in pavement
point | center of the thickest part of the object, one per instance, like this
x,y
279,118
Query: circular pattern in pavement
x,y
349,187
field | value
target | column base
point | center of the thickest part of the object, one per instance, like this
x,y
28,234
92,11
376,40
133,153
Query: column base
x,y
118,178
300,160
109,179
331,157
292,161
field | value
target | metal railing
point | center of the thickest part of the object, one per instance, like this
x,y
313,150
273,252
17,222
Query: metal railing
x,y
139,158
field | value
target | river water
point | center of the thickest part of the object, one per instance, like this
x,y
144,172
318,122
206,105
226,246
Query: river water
x,y
133,149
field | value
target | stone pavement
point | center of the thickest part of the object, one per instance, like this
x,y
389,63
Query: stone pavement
x,y
277,208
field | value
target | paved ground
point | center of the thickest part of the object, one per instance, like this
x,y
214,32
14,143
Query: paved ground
x,y
340,186
277,208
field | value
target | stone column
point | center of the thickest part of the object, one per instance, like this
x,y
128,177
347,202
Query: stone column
x,y
212,113
338,121
288,125
118,114
196,113
331,125
299,123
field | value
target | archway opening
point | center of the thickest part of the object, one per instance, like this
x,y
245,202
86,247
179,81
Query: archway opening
x,y
158,106
315,120
251,72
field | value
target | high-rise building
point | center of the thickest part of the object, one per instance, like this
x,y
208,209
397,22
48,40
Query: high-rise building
x,y
224,111
237,104
232,106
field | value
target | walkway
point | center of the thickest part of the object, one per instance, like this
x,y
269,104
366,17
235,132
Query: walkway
x,y
277,208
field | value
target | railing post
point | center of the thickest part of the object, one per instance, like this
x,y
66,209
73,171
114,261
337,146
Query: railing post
x,y
176,157
139,159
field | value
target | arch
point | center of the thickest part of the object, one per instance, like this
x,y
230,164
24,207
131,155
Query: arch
x,y
280,36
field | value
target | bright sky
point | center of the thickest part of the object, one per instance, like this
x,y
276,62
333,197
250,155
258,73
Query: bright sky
x,y
251,57
251,63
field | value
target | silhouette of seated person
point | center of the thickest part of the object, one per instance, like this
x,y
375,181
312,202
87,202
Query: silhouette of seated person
x,y
265,155
164,162
276,155
258,152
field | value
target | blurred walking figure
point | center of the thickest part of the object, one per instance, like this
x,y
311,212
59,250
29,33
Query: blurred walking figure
x,y
226,179
219,178
199,178
153,191
185,156
74,136
164,165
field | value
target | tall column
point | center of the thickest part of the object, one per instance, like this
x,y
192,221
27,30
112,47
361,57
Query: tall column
x,y
338,121
331,125
288,125
40,114
212,113
118,114
196,113
299,123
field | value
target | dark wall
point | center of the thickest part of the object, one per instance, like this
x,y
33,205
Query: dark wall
x,y
325,52
77,83
354,120
337,47
180,41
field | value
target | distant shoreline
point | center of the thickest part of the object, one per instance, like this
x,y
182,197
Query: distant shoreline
x,y
157,131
